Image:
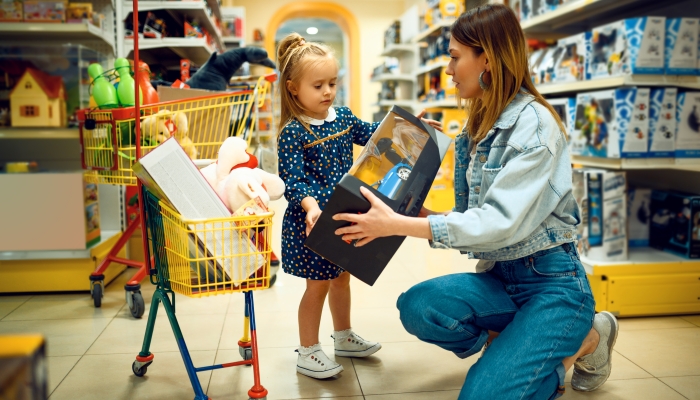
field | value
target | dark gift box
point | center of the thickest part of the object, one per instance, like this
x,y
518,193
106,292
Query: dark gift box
x,y
675,223
398,165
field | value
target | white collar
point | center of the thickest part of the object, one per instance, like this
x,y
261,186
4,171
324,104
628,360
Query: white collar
x,y
318,122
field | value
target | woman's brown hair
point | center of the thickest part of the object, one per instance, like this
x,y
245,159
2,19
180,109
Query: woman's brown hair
x,y
495,30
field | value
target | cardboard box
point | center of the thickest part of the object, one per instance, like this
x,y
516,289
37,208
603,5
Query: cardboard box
x,y
630,46
688,125
10,11
638,216
681,57
572,64
662,122
612,123
675,223
579,190
77,12
535,59
607,214
546,68
45,11
566,108
398,165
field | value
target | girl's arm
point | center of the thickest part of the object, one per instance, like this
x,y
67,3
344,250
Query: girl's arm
x,y
290,152
361,131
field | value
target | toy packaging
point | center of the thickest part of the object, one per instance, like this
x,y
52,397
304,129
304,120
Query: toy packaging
x,y
92,215
77,12
546,68
566,108
398,165
45,11
607,212
688,125
630,46
638,215
675,223
572,62
662,122
682,36
612,123
580,193
10,11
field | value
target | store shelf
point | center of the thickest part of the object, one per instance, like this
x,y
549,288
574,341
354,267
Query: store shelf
x,y
400,103
449,103
39,133
56,254
394,50
213,5
42,31
432,30
424,69
194,10
689,82
233,39
640,261
394,77
195,49
689,164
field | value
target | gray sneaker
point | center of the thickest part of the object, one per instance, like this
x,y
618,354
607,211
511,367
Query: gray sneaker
x,y
592,370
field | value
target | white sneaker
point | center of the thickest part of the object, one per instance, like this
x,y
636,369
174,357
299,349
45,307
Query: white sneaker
x,y
313,362
349,344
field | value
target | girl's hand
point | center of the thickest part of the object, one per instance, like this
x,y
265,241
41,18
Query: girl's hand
x,y
377,222
437,125
311,218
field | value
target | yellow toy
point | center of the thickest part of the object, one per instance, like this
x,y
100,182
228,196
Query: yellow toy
x,y
38,100
157,128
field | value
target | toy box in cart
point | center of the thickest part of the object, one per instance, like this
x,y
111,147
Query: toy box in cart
x,y
398,165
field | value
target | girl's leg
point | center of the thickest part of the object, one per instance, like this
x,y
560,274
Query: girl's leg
x,y
310,310
339,301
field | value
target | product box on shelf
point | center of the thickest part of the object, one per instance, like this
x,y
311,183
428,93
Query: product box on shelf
x,y
535,59
688,125
675,223
682,36
78,12
92,215
10,11
438,11
45,10
566,108
662,122
546,69
638,215
612,123
572,64
398,165
630,46
604,238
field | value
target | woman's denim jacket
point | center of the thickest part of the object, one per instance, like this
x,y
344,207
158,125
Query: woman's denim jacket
x,y
520,199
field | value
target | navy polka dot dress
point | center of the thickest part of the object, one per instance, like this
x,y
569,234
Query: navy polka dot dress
x,y
311,165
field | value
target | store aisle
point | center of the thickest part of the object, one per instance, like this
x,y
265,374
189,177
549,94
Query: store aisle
x,y
90,350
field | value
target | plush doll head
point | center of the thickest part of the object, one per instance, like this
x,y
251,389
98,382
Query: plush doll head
x,y
217,72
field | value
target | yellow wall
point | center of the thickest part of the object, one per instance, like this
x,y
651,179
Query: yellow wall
x,y
373,18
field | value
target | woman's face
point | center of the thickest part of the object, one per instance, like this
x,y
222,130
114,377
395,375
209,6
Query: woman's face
x,y
465,67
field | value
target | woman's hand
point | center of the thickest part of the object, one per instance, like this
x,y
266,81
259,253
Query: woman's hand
x,y
311,218
437,125
377,222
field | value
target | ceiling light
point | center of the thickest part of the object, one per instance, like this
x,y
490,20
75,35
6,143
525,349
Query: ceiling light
x,y
312,30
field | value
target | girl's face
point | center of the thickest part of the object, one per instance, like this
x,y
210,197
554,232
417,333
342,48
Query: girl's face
x,y
465,67
317,87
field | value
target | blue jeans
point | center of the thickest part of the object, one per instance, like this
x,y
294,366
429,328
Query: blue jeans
x,y
541,304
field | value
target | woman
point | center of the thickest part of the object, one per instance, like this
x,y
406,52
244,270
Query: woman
x,y
530,301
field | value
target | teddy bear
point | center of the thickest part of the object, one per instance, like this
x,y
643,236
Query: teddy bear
x,y
156,128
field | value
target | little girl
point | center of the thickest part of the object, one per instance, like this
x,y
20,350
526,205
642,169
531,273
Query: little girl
x,y
315,147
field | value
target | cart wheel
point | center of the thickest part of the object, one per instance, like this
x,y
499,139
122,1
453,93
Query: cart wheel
x,y
97,294
273,279
137,306
139,371
245,352
274,269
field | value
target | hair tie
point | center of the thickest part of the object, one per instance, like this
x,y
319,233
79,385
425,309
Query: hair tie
x,y
301,42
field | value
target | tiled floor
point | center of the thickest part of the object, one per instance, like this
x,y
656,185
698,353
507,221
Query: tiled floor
x,y
90,350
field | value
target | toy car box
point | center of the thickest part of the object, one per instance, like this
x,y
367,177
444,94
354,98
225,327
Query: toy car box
x,y
662,122
688,125
398,164
572,64
630,46
638,203
612,123
606,232
675,223
681,57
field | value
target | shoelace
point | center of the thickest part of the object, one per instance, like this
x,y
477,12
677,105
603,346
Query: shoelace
x,y
585,365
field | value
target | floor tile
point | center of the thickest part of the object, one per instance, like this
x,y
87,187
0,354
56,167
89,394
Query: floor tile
x,y
66,306
8,303
688,386
662,352
629,324
408,367
380,325
629,389
125,335
58,368
693,319
69,337
109,376
440,395
622,368
278,375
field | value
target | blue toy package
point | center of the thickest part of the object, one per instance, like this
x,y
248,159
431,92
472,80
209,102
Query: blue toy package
x,y
595,210
681,56
688,125
572,64
638,214
607,215
630,46
662,122
675,223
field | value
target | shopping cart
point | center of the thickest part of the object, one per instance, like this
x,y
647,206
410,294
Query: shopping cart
x,y
109,148
199,258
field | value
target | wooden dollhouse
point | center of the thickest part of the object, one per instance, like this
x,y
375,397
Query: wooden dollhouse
x,y
38,100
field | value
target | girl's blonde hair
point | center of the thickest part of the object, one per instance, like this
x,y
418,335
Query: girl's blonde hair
x,y
294,56
495,30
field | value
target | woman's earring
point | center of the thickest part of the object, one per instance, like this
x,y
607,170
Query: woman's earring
x,y
482,84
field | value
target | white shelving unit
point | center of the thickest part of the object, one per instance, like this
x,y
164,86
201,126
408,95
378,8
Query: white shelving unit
x,y
195,49
38,133
83,32
431,67
394,77
688,82
433,29
688,164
